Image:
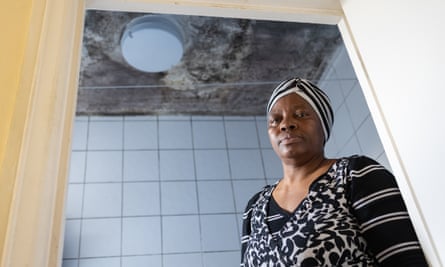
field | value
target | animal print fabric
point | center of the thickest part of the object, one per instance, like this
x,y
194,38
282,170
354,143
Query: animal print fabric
x,y
323,231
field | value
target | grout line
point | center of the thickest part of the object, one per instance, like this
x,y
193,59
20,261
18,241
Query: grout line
x,y
161,216
83,189
164,149
154,215
231,176
154,254
197,193
197,85
122,190
172,180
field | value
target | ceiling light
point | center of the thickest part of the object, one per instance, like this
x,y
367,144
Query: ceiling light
x,y
152,43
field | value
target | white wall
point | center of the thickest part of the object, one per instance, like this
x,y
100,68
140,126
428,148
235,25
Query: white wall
x,y
401,46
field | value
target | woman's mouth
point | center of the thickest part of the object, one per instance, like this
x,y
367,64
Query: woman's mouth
x,y
290,140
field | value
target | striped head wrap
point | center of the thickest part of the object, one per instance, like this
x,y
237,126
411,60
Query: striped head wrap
x,y
312,94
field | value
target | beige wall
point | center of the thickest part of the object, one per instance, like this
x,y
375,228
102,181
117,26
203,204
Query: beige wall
x,y
14,25
41,44
394,45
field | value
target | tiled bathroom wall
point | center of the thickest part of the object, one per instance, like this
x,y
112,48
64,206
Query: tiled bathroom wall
x,y
163,191
354,131
169,191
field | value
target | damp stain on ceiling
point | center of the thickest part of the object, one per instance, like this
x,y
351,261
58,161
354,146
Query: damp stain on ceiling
x,y
229,66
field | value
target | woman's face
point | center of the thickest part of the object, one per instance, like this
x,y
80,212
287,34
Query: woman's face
x,y
294,128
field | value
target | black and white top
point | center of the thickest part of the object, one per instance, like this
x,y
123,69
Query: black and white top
x,y
353,215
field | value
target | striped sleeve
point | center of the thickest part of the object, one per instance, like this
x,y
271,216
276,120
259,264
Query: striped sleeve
x,y
379,208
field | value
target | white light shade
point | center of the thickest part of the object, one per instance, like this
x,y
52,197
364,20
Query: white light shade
x,y
152,43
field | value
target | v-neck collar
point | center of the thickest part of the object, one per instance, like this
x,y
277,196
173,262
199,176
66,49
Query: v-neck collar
x,y
299,211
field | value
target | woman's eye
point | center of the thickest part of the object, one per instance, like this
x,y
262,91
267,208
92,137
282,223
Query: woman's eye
x,y
301,114
273,121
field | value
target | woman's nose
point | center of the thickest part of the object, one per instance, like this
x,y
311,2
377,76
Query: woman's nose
x,y
288,126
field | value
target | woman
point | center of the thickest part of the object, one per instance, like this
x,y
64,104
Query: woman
x,y
323,212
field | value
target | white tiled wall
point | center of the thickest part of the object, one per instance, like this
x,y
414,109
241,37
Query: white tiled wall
x,y
163,191
169,191
354,131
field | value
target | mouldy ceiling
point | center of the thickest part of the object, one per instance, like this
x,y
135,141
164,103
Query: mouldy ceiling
x,y
229,66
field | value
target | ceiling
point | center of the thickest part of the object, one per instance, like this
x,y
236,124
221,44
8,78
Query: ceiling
x,y
229,66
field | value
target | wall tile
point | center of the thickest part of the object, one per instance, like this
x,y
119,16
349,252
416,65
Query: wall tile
x,y
71,241
241,134
329,73
177,165
141,166
142,198
181,234
175,134
330,147
369,139
219,232
141,235
141,118
74,201
183,260
102,200
212,164
100,237
179,198
261,124
79,135
246,164
244,190
334,92
70,263
174,118
106,118
142,261
81,118
272,164
105,135
342,129
347,86
357,107
140,135
352,147
239,118
100,262
206,118
215,197
77,167
343,66
208,134
104,166
221,259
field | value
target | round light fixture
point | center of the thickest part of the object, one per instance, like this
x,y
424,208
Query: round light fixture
x,y
152,43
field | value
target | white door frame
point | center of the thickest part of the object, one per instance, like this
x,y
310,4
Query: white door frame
x,y
52,56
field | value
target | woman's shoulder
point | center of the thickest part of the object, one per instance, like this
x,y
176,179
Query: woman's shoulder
x,y
254,199
357,166
361,161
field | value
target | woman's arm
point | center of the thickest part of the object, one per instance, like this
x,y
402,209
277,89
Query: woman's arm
x,y
379,208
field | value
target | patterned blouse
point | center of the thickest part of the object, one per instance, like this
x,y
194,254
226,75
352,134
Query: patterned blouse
x,y
353,215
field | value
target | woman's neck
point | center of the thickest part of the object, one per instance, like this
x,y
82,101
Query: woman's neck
x,y
302,172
